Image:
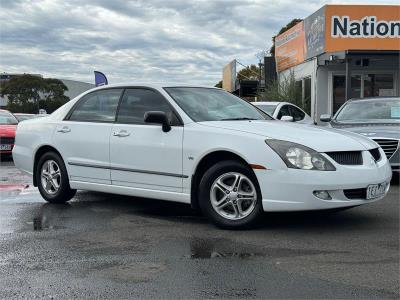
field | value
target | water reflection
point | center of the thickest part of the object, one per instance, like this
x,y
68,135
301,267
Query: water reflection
x,y
49,216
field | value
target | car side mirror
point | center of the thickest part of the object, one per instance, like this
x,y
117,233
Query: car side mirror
x,y
325,118
287,119
158,117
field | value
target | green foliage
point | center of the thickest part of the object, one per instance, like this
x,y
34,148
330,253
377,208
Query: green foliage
x,y
29,93
219,84
287,90
283,29
249,73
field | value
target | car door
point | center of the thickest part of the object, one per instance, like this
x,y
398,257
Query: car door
x,y
142,155
83,137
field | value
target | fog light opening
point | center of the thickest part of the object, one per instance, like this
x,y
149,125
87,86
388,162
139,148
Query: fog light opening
x,y
324,195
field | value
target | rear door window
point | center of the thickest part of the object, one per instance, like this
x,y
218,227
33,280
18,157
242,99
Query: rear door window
x,y
99,106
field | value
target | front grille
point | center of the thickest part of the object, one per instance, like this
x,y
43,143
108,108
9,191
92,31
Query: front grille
x,y
388,146
356,193
347,157
375,154
6,140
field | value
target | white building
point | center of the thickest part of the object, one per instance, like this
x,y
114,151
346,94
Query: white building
x,y
342,52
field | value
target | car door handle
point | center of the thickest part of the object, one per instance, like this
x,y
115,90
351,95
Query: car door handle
x,y
122,133
65,129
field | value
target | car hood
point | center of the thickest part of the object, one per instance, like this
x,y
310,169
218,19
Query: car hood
x,y
318,138
373,130
7,130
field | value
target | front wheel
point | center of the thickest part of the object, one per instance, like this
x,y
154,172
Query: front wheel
x,y
52,179
230,196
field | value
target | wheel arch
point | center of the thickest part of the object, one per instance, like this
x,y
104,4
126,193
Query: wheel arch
x,y
39,152
204,164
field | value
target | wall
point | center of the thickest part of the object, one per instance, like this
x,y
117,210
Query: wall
x,y
76,87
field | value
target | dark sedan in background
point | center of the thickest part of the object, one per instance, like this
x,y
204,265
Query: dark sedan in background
x,y
376,118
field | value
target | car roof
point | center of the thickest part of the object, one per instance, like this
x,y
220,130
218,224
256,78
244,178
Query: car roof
x,y
269,102
151,85
373,99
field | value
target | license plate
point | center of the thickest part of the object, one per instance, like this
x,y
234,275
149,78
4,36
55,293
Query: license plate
x,y
5,147
376,190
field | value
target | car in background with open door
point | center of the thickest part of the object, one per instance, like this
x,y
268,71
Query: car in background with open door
x,y
375,118
284,111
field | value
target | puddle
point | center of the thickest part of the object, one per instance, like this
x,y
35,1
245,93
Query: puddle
x,y
40,224
224,248
48,217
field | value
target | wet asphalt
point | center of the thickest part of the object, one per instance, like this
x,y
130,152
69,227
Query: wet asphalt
x,y
108,246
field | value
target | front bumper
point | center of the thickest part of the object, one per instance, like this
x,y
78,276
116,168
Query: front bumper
x,y
292,189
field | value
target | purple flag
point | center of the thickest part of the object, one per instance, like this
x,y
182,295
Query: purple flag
x,y
100,78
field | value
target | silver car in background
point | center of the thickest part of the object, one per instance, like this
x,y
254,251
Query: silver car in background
x,y
376,118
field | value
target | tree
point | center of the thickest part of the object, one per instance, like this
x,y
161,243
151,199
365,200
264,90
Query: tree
x,y
282,30
219,84
285,90
250,73
28,93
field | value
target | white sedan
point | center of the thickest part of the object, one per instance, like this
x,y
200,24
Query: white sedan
x,y
196,145
284,111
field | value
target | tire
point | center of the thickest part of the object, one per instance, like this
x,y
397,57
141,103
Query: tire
x,y
54,184
220,207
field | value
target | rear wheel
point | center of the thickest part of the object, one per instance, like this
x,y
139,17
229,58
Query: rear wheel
x,y
52,179
230,196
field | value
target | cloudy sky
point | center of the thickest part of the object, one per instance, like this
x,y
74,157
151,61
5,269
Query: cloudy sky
x,y
177,41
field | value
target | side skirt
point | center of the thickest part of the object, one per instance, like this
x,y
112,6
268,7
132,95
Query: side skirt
x,y
131,191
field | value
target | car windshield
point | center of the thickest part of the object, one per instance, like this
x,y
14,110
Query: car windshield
x,y
378,110
207,104
268,108
7,118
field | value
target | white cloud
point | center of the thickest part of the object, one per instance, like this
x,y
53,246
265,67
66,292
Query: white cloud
x,y
174,41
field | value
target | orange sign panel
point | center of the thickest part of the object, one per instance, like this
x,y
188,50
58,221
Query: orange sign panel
x,y
362,27
289,47
339,28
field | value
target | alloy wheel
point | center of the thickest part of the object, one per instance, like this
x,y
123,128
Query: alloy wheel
x,y
50,177
233,196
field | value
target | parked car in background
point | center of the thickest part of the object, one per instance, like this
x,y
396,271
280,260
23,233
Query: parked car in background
x,y
375,118
8,125
197,145
284,111
23,116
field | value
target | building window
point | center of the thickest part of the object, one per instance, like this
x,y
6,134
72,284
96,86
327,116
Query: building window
x,y
339,90
307,95
378,85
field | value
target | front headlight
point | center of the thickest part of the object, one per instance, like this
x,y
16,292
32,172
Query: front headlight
x,y
297,156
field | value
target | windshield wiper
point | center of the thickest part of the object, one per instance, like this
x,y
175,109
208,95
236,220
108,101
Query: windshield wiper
x,y
238,119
